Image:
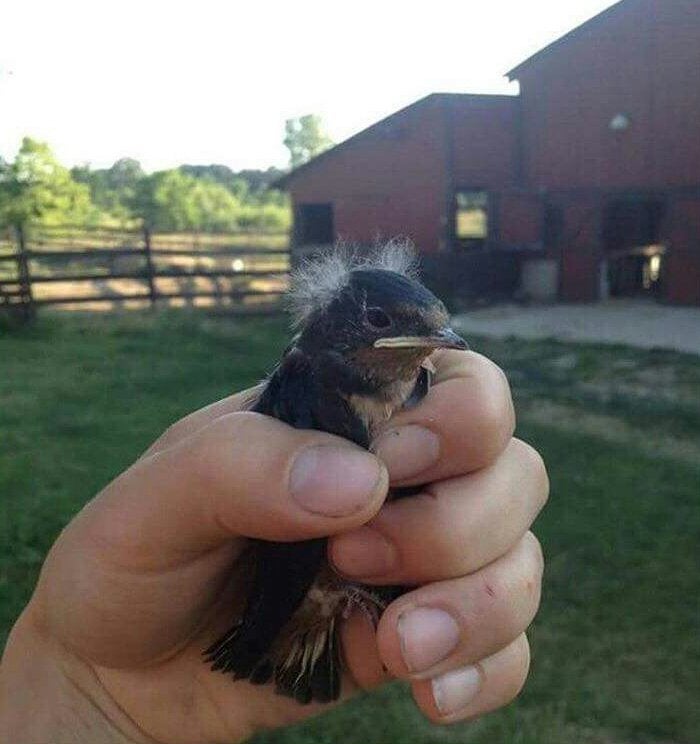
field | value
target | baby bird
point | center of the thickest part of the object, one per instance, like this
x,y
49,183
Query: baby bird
x,y
366,328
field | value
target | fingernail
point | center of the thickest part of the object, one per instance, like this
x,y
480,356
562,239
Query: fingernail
x,y
454,690
362,552
427,636
334,481
407,450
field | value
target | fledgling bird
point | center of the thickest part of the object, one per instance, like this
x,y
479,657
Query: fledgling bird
x,y
366,327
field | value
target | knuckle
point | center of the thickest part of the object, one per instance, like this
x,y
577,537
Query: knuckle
x,y
513,672
532,564
484,367
529,586
170,435
503,380
496,421
171,432
508,412
497,411
509,592
519,663
494,609
534,466
537,553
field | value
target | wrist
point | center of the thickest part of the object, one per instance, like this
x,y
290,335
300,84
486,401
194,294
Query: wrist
x,y
48,695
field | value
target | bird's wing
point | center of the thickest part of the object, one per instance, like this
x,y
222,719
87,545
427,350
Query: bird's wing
x,y
309,398
284,571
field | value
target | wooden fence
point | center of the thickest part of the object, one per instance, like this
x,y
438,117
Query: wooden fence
x,y
75,267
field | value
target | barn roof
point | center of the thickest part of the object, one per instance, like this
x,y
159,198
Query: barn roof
x,y
513,74
562,41
284,181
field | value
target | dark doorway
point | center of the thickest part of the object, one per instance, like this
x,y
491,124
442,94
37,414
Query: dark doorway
x,y
633,248
313,224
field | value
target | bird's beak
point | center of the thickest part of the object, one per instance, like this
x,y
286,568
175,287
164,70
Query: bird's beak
x,y
445,338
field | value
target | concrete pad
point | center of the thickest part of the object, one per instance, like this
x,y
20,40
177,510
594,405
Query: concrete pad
x,y
635,323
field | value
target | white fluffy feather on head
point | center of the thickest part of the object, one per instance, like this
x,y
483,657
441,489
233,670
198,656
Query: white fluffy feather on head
x,y
317,280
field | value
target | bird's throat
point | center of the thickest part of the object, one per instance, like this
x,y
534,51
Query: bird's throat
x,y
376,408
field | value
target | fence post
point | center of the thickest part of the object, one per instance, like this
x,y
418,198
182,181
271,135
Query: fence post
x,y
150,269
24,278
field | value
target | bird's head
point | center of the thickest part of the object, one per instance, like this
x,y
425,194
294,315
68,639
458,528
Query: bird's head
x,y
382,321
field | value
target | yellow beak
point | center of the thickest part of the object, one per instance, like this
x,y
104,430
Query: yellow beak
x,y
443,339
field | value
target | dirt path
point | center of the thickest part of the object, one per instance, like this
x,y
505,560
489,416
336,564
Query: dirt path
x,y
642,324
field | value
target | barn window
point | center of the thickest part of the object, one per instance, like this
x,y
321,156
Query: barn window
x,y
471,217
313,224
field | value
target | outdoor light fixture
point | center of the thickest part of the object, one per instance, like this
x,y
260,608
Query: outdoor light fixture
x,y
619,123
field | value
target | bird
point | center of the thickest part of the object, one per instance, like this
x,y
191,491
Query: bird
x,y
366,328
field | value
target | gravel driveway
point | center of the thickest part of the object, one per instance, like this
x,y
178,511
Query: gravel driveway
x,y
642,324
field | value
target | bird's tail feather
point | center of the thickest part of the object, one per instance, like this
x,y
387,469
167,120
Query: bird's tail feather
x,y
307,669
283,574
241,654
311,668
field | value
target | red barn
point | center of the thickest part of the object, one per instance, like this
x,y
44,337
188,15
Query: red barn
x,y
585,185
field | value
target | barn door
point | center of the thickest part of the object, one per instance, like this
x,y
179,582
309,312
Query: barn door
x,y
580,251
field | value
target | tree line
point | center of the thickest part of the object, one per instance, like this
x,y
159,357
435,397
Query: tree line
x,y
36,188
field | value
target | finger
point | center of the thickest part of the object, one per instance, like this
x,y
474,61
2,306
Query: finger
x,y
197,420
463,423
445,625
139,568
359,642
461,524
476,689
242,475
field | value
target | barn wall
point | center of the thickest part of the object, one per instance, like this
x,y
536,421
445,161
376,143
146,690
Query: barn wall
x,y
520,220
676,92
397,178
389,181
484,141
681,280
548,157
641,60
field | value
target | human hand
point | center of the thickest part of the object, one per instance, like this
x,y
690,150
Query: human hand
x,y
146,576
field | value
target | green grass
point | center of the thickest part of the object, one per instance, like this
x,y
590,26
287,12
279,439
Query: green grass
x,y
81,396
616,646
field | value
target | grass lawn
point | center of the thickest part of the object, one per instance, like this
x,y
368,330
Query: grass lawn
x,y
616,646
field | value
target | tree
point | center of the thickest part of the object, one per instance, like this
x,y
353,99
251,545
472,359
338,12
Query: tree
x,y
220,173
173,200
241,184
125,173
260,180
305,139
216,208
37,188
112,189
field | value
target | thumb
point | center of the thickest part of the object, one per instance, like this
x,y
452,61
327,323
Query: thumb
x,y
244,475
136,571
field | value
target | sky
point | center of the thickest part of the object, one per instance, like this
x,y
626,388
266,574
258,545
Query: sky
x,y
214,81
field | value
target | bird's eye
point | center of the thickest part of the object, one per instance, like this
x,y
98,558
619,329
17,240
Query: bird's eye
x,y
377,318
